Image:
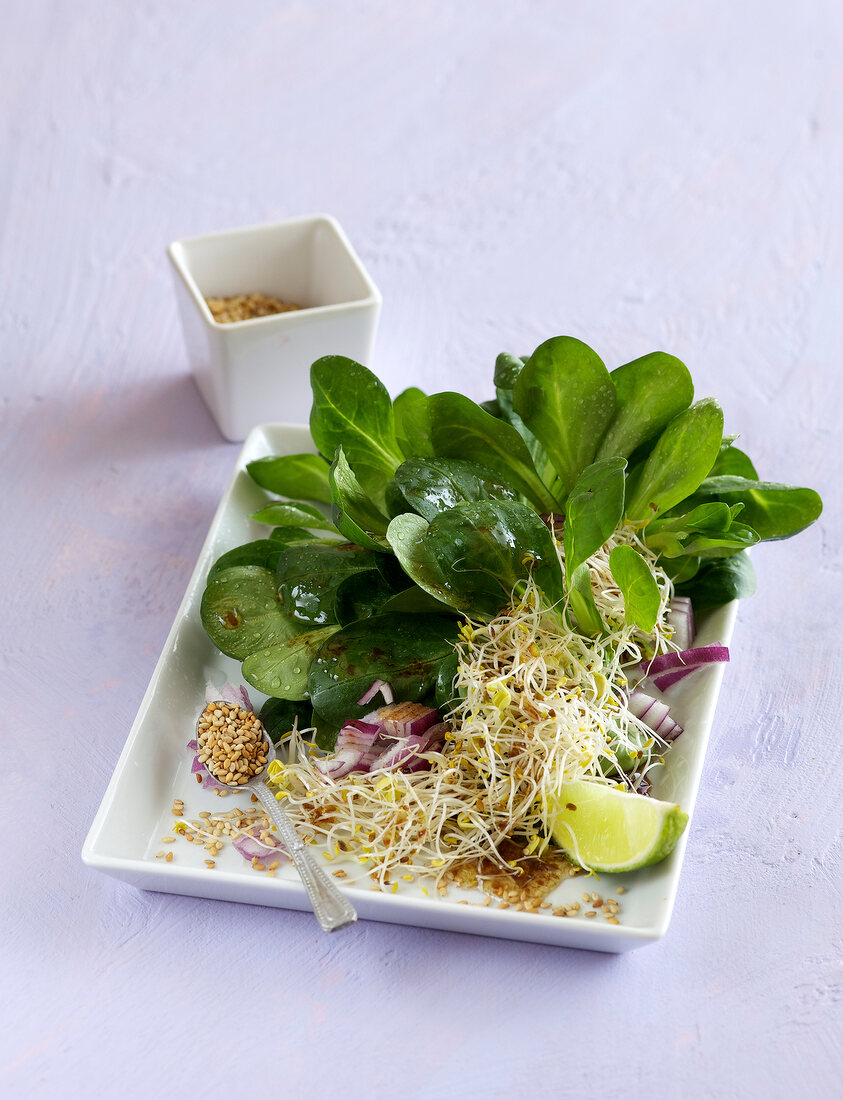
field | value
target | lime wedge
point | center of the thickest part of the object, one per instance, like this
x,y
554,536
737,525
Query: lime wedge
x,y
608,829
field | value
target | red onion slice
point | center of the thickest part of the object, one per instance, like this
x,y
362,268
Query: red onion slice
x,y
229,693
686,659
197,768
408,748
669,730
669,668
377,686
378,747
668,679
436,739
353,742
647,707
250,846
407,719
387,738
681,618
655,715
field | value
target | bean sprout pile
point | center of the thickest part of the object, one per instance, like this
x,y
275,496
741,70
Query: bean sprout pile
x,y
536,705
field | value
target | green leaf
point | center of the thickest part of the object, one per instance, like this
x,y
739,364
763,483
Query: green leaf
x,y
415,601
444,692
309,576
774,511
432,485
475,555
629,754
403,650
722,581
507,369
263,552
292,513
352,409
581,600
681,569
354,512
739,537
407,535
302,475
635,579
715,518
412,423
282,670
649,393
731,460
461,429
565,397
326,733
278,716
708,530
593,510
362,595
288,536
683,454
241,614
390,569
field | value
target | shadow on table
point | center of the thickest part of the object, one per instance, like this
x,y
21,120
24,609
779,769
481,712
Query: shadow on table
x,y
455,950
161,415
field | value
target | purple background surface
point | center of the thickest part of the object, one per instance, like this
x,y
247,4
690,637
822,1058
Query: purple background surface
x,y
637,175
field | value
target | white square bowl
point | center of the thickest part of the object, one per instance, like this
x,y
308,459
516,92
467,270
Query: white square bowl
x,y
257,370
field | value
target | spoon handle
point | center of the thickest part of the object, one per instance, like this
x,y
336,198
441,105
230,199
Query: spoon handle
x,y
332,910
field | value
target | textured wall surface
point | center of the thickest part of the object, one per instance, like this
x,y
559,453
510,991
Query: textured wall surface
x,y
638,175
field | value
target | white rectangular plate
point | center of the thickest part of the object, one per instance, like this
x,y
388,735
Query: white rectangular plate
x,y
154,768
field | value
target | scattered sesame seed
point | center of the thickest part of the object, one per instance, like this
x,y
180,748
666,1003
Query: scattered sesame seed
x,y
591,913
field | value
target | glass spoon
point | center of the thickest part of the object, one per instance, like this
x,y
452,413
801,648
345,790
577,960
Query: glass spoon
x,y
331,909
